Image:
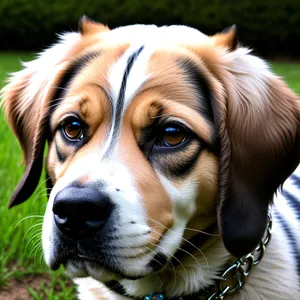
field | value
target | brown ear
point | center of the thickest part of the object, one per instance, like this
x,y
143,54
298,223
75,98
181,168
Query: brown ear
x,y
88,26
228,38
259,140
26,104
26,100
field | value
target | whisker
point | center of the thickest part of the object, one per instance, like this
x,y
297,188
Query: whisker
x,y
43,206
31,227
161,283
187,241
34,248
42,182
39,248
171,256
40,195
200,231
37,233
28,217
41,257
175,275
190,254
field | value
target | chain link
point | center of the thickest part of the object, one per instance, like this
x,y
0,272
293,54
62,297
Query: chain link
x,y
234,277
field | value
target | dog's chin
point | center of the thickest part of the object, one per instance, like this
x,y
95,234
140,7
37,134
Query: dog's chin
x,y
79,266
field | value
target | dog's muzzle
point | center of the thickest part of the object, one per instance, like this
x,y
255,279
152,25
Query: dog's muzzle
x,y
80,212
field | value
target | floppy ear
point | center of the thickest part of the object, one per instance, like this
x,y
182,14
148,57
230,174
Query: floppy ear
x,y
259,146
26,100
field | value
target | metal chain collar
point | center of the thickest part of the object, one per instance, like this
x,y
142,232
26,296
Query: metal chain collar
x,y
234,277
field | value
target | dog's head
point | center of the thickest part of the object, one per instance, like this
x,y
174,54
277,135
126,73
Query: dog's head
x,y
150,129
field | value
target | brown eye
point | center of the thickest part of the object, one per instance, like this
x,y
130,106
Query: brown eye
x,y
72,129
172,135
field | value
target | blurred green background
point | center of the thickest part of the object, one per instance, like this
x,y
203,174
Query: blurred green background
x,y
271,27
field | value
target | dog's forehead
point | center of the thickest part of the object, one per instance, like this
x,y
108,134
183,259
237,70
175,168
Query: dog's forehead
x,y
151,34
139,58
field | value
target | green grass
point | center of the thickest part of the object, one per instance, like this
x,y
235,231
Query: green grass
x,y
290,72
20,238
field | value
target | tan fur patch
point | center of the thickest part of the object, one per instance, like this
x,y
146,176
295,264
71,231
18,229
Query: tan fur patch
x,y
155,199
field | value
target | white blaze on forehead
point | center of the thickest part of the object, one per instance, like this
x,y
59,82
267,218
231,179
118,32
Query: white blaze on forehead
x,y
133,82
136,77
153,35
152,38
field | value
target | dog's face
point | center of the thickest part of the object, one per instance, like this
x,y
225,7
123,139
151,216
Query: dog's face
x,y
133,127
149,130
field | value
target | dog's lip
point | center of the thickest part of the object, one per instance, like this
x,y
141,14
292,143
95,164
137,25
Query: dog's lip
x,y
55,264
64,259
82,258
78,256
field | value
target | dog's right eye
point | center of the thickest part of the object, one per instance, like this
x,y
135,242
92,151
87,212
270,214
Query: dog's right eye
x,y
72,129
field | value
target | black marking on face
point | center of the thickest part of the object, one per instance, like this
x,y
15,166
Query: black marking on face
x,y
61,156
205,99
173,162
116,287
76,66
158,262
201,85
120,101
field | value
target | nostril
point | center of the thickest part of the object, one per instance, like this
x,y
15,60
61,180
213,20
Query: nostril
x,y
60,220
60,216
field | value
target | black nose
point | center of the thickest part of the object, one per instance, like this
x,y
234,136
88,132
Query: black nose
x,y
81,212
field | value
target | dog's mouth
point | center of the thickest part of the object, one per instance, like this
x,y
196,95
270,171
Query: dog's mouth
x,y
80,260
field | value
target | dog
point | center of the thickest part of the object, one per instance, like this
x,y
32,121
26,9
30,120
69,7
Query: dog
x,y
167,155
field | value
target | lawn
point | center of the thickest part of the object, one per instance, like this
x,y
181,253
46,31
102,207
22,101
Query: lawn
x,y
22,268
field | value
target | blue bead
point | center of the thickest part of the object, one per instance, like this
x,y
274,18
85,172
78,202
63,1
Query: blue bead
x,y
154,296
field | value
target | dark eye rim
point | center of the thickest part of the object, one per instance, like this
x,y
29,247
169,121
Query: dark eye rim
x,y
164,143
82,126
161,147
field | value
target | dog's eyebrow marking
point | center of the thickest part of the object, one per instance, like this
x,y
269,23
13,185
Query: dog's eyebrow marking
x,y
201,86
120,104
204,98
76,66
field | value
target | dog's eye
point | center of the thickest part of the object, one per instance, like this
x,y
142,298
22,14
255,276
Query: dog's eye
x,y
172,135
72,128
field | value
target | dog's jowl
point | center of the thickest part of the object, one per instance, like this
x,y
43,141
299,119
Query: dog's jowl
x,y
166,148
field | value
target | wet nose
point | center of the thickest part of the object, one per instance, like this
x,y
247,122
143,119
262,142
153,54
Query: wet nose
x,y
81,211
